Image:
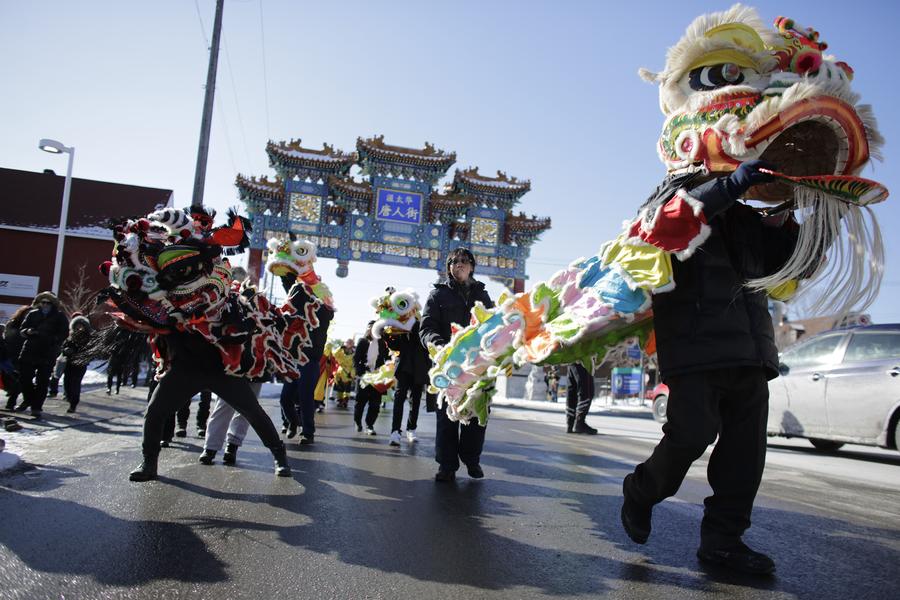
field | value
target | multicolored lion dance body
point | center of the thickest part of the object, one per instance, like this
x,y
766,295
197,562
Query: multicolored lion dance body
x,y
733,90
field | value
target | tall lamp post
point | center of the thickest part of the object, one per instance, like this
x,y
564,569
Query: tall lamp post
x,y
54,147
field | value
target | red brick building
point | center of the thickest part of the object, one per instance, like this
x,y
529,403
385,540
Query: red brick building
x,y
30,204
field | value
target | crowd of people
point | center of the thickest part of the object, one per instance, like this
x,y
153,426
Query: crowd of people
x,y
38,336
41,346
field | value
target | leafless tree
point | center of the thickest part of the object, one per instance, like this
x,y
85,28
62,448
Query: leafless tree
x,y
78,297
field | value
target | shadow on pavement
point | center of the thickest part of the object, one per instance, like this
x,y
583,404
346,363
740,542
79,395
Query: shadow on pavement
x,y
51,535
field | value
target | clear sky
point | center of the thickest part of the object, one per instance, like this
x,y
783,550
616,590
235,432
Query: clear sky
x,y
546,91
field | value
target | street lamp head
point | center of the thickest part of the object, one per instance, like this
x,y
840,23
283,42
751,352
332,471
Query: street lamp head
x,y
52,146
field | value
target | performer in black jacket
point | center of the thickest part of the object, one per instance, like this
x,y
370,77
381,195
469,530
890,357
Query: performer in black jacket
x,y
716,350
366,359
450,302
412,376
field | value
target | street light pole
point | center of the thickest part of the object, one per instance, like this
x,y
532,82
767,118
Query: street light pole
x,y
54,147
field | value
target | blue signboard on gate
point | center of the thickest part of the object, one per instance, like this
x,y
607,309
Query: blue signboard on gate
x,y
399,206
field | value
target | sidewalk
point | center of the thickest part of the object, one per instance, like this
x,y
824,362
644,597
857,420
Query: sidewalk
x,y
601,405
95,407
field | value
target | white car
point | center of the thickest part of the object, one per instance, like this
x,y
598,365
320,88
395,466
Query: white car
x,y
840,386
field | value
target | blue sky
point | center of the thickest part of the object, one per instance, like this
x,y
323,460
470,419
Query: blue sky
x,y
546,91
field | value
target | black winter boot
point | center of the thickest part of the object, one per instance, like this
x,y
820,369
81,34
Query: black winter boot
x,y
230,456
282,468
147,470
582,427
207,457
570,422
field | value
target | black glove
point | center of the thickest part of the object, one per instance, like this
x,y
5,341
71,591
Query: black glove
x,y
720,193
747,175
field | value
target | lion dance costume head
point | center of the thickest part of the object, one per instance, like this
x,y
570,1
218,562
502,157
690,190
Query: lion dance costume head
x,y
735,90
169,273
397,312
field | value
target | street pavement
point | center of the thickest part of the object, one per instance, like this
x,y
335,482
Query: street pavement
x,y
360,519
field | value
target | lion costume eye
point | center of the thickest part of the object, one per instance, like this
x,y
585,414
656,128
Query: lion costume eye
x,y
401,302
712,77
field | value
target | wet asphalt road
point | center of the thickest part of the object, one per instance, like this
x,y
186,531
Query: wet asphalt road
x,y
361,520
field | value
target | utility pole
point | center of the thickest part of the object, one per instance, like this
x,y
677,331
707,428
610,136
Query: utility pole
x,y
206,123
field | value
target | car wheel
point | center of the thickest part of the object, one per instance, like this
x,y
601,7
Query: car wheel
x,y
897,435
659,408
825,445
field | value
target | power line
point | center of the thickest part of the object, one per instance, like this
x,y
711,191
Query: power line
x,y
202,28
237,106
262,41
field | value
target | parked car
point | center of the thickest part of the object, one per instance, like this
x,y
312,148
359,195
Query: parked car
x,y
840,386
659,396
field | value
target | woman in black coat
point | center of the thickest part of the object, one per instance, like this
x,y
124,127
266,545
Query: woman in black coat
x,y
450,302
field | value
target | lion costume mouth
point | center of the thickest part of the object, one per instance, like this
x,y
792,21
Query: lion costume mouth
x,y
819,136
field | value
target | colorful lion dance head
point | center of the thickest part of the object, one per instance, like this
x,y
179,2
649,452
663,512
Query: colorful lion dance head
x,y
397,312
287,257
169,266
735,90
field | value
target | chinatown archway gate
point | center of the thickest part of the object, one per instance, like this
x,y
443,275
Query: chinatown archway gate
x,y
395,215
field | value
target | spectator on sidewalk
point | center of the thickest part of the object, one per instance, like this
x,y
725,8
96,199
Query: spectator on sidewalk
x,y
75,355
44,329
12,340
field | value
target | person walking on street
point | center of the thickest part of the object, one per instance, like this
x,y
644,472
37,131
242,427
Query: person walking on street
x,y
74,351
226,426
579,396
370,354
13,341
412,376
552,381
44,329
449,303
344,373
717,369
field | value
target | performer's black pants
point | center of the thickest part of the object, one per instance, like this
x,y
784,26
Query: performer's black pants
x,y
455,441
732,404
181,384
203,407
298,405
183,414
406,387
34,378
579,393
72,377
367,396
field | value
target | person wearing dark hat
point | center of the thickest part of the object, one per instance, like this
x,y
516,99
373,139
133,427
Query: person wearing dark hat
x,y
74,351
449,303
368,356
44,329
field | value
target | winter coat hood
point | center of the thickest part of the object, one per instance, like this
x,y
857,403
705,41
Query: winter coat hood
x,y
47,296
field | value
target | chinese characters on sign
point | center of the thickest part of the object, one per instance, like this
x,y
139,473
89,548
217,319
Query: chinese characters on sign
x,y
399,206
